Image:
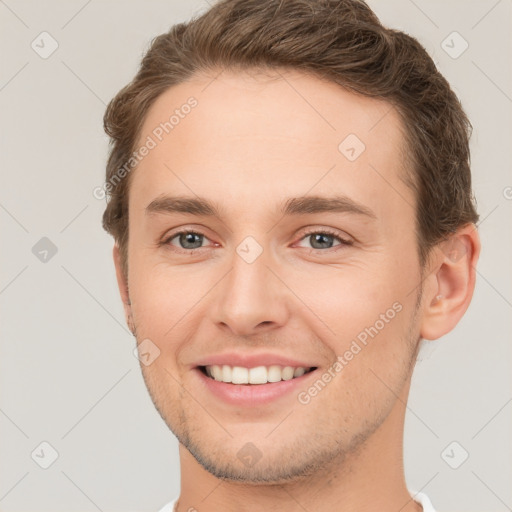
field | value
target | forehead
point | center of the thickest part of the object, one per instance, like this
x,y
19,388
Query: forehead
x,y
253,133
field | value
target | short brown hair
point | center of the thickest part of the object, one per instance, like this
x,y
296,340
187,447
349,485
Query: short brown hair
x,y
339,40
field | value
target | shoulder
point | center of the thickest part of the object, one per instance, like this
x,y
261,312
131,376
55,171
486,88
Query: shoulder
x,y
422,499
168,507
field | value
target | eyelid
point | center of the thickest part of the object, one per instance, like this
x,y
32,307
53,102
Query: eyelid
x,y
344,241
343,238
167,237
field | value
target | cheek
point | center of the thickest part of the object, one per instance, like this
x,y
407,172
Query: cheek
x,y
364,316
349,299
168,302
158,301
373,353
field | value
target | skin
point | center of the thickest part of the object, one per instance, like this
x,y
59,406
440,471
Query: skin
x,y
251,143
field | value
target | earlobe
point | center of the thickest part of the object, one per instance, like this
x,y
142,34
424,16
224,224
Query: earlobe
x,y
122,283
451,283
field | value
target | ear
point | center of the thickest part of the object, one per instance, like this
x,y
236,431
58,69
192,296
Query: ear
x,y
449,287
122,283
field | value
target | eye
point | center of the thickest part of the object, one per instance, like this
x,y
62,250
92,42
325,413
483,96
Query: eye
x,y
187,241
324,239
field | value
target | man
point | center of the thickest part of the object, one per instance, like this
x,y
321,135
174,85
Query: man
x,y
290,197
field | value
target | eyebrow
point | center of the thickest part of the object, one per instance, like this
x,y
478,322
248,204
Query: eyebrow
x,y
293,206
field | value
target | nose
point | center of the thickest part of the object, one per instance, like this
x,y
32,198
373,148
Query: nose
x,y
251,299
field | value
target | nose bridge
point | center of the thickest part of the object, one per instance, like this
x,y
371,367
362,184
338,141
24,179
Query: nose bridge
x,y
251,297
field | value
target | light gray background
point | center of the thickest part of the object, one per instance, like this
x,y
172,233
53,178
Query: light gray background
x,y
68,374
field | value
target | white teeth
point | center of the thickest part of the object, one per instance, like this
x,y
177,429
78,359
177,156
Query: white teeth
x,y
226,373
287,373
274,374
256,375
298,372
240,375
216,372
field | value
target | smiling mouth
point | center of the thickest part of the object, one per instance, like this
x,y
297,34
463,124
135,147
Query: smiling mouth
x,y
257,375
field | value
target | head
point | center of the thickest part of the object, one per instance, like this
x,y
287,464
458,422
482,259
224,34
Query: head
x,y
320,165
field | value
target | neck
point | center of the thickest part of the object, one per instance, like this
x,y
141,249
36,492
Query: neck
x,y
370,479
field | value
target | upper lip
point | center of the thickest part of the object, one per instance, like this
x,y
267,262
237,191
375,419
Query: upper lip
x,y
253,360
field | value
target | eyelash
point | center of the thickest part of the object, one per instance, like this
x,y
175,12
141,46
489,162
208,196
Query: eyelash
x,y
343,242
334,234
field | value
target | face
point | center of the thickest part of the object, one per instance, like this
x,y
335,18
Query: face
x,y
292,244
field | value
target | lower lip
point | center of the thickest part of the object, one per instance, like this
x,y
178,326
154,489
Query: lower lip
x,y
252,394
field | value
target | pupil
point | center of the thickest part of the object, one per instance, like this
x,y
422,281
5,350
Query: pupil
x,y
320,238
188,238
